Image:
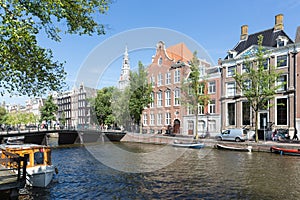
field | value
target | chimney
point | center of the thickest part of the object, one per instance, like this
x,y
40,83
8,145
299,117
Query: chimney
x,y
297,39
244,32
278,22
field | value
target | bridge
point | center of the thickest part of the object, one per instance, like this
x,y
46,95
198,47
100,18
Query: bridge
x,y
65,136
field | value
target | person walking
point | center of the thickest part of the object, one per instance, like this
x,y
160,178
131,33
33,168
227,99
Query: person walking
x,y
295,137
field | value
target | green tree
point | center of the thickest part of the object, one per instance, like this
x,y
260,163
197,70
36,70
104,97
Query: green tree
x,y
140,91
49,110
26,67
257,84
120,107
194,91
2,115
101,106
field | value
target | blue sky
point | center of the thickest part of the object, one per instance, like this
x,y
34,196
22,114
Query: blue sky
x,y
214,25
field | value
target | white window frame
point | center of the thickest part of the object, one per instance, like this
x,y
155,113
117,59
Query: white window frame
x,y
177,76
287,60
159,79
152,100
168,118
168,97
279,82
230,86
159,99
168,78
159,119
231,70
145,119
212,87
212,106
177,97
152,119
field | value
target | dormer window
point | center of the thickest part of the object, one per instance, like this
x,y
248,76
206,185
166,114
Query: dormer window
x,y
231,54
281,41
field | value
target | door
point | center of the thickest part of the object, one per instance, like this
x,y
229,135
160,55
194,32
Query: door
x,y
263,119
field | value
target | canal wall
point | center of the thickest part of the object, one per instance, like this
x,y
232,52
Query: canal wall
x,y
261,146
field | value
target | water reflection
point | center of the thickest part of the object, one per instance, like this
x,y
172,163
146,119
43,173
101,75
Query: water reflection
x,y
217,175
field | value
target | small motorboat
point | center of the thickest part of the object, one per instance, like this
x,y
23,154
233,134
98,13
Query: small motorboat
x,y
194,145
283,151
39,167
234,148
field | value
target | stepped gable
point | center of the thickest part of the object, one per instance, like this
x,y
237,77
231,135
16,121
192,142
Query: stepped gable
x,y
269,40
179,52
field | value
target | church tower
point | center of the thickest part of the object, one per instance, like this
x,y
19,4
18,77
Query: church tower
x,y
124,77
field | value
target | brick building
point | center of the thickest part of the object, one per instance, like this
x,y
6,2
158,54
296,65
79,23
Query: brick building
x,y
168,68
283,53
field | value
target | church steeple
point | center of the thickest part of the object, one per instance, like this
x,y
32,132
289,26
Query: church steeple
x,y
124,78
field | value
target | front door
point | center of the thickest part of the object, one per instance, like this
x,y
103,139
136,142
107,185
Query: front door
x,y
176,128
263,119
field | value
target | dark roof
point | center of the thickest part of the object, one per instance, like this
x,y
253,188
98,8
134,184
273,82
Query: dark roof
x,y
269,40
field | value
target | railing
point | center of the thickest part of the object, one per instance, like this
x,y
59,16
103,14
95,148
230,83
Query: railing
x,y
15,164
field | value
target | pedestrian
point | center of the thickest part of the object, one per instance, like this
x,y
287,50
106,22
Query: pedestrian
x,y
295,137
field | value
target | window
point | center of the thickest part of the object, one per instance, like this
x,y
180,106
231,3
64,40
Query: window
x,y
159,99
212,87
212,125
152,100
266,63
201,88
282,61
200,109
159,119
159,79
212,106
231,113
177,76
152,81
168,118
39,158
176,97
190,110
160,61
168,98
230,89
168,78
246,113
231,71
145,120
152,119
282,83
282,111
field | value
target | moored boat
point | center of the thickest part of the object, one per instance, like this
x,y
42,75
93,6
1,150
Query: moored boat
x,y
284,151
39,167
194,145
234,148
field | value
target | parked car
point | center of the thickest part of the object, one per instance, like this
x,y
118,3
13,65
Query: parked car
x,y
237,135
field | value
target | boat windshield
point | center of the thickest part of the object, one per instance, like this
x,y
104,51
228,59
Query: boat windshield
x,y
38,158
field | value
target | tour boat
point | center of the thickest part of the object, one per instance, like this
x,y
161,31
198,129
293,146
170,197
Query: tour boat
x,y
194,145
283,151
234,148
39,167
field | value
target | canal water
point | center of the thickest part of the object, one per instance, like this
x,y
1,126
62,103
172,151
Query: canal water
x,y
144,171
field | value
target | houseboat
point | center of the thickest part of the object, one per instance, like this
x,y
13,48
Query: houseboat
x,y
39,167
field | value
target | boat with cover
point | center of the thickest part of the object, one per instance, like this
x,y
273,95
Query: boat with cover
x,y
194,145
39,167
284,151
234,148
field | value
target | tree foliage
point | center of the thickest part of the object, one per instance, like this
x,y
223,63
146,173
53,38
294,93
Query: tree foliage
x,y
257,83
140,91
120,107
49,110
27,68
101,106
194,89
2,115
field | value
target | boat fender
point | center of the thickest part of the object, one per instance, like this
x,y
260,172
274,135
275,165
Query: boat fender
x,y
56,170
